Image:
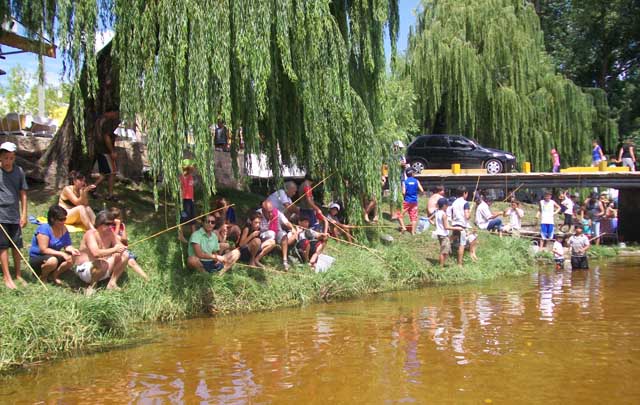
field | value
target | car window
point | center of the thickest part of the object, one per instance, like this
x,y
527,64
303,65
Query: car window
x,y
419,143
437,141
460,143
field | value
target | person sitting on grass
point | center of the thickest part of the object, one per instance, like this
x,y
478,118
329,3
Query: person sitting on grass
x,y
51,251
252,249
120,230
515,214
337,228
579,244
282,199
204,248
443,228
310,243
410,189
228,214
275,225
101,256
485,219
558,252
75,199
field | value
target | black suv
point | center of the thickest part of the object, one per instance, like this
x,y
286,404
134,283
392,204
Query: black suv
x,y
440,151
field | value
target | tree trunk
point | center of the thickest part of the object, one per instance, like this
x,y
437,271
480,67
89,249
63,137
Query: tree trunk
x,y
65,152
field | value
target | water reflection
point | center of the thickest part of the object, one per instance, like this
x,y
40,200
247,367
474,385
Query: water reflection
x,y
450,342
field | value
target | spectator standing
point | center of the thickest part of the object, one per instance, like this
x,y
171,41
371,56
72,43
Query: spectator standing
x,y
411,188
547,209
443,228
221,136
106,150
432,204
13,212
579,244
595,211
188,203
568,208
460,214
627,155
597,155
555,161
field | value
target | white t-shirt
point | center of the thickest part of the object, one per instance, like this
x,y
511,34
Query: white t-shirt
x,y
279,199
569,205
558,250
547,208
483,215
515,216
457,213
440,231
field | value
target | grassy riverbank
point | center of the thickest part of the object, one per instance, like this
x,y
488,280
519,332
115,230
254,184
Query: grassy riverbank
x,y
37,324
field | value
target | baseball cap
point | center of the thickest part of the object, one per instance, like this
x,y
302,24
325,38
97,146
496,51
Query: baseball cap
x,y
8,146
409,171
398,144
334,205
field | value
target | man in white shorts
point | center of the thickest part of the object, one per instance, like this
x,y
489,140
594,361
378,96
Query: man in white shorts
x,y
101,255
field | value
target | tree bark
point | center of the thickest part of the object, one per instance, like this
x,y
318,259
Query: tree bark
x,y
65,153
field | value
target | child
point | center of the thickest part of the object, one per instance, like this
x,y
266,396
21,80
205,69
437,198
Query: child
x,y
515,214
13,215
558,252
310,243
336,228
579,244
120,230
443,228
188,204
547,209
568,206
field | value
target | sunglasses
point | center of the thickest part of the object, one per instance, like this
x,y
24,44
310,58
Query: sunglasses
x,y
211,222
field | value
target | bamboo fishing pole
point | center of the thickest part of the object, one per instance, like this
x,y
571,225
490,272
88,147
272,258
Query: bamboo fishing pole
x,y
177,226
22,256
513,192
375,253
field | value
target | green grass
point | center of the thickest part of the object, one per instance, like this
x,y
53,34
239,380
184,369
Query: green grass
x,y
37,325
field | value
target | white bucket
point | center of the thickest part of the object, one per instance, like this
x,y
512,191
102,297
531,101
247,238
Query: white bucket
x,y
324,262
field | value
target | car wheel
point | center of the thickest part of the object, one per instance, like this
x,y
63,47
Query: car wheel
x,y
493,166
418,165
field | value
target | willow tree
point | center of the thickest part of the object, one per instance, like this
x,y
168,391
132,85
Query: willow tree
x,y
302,77
479,68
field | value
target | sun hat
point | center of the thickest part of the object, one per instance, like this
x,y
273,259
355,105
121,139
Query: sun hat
x,y
334,205
8,146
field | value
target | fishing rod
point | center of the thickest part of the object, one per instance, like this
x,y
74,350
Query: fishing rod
x,y
22,256
177,226
375,253
513,192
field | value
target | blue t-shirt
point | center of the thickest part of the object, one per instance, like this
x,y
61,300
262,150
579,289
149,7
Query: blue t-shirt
x,y
54,243
596,154
411,190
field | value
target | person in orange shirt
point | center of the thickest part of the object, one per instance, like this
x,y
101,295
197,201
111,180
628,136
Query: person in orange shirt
x,y
188,204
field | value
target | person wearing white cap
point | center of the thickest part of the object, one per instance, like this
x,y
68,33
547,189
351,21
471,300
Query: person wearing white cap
x,y
13,211
336,228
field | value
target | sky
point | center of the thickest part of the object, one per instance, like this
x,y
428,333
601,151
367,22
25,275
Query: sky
x,y
54,68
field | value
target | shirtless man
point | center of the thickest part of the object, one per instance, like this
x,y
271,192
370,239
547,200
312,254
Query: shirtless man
x,y
432,204
101,255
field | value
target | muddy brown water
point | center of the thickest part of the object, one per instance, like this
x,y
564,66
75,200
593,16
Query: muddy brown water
x,y
545,338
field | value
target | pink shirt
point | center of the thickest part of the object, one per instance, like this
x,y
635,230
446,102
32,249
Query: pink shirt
x,y
556,158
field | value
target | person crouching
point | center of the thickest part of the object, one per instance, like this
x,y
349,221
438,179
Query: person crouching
x,y
101,254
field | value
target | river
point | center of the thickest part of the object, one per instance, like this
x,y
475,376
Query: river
x,y
551,337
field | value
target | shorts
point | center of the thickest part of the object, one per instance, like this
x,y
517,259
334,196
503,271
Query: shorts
x,y
445,245
83,271
15,233
210,266
105,166
568,219
188,211
579,262
595,228
36,262
131,255
546,231
271,235
412,209
459,238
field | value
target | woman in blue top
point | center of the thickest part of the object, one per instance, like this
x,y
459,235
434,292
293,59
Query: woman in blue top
x,y
597,155
51,249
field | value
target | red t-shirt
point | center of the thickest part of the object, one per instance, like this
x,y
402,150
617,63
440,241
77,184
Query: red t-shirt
x,y
186,185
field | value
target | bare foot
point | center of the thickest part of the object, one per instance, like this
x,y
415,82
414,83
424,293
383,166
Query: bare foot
x,y
258,264
10,284
89,291
57,281
375,219
113,286
22,281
